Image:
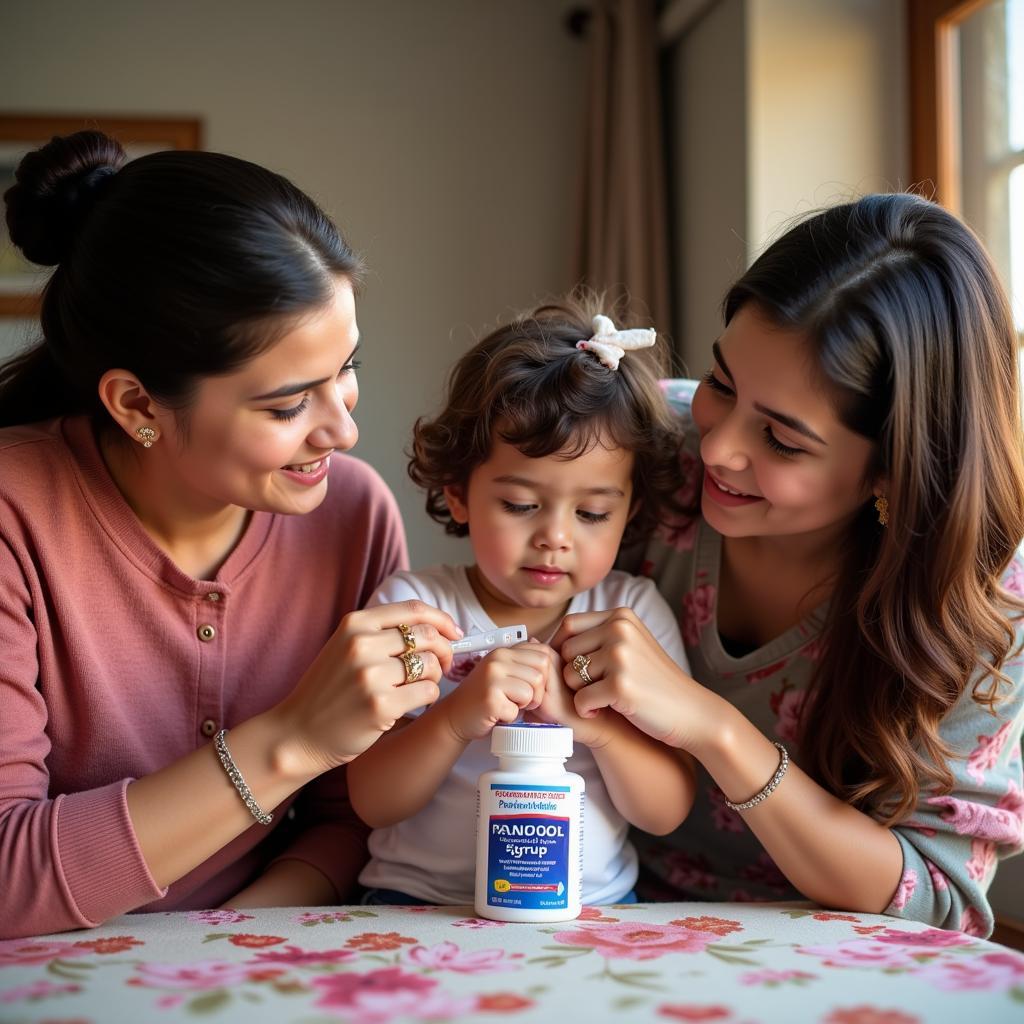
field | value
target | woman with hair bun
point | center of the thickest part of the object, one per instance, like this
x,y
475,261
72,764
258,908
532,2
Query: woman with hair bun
x,y
848,581
184,548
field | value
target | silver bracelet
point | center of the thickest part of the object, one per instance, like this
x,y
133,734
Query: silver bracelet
x,y
237,781
768,789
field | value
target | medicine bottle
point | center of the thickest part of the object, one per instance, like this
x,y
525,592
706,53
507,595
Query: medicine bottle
x,y
529,853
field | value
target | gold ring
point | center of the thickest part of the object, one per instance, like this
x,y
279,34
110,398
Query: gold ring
x,y
407,638
413,666
581,663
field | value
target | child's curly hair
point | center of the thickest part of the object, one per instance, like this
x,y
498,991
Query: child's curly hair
x,y
527,383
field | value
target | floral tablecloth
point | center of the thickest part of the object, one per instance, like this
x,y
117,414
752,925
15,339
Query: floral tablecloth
x,y
733,963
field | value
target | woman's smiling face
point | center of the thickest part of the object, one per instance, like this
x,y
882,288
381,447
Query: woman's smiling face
x,y
261,438
778,460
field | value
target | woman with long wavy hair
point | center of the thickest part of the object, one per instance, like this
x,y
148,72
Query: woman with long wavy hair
x,y
848,583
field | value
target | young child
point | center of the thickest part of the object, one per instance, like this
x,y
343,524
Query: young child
x,y
555,443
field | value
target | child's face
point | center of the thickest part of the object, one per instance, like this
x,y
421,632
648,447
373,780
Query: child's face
x,y
769,430
543,529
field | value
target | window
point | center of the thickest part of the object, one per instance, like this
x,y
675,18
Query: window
x,y
967,109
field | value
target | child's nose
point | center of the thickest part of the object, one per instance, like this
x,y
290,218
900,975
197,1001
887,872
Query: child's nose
x,y
553,533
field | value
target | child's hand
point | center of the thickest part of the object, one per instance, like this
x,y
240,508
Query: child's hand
x,y
509,680
558,708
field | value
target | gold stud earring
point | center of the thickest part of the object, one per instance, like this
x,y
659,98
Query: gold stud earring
x,y
882,508
147,435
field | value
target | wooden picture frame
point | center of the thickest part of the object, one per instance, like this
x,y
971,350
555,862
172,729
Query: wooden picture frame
x,y
20,281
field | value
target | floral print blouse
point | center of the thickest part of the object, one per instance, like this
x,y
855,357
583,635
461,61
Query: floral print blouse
x,y
951,843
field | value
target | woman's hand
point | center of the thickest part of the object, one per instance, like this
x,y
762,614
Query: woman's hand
x,y
507,681
356,689
634,676
558,708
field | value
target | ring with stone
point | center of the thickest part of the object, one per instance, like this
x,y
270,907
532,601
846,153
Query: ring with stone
x,y
581,663
413,666
407,637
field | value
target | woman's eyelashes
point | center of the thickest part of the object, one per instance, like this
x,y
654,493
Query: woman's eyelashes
x,y
770,439
290,414
777,446
516,509
296,410
715,384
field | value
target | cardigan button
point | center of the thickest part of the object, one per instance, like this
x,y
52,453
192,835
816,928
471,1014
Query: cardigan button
x,y
209,727
206,633
213,595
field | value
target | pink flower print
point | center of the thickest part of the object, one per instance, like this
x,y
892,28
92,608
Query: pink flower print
x,y
462,666
972,922
218,917
1013,803
23,952
686,872
790,707
698,611
930,938
677,532
765,673
813,650
694,1012
995,824
869,1015
386,994
991,972
321,917
596,914
908,883
679,391
35,990
724,818
766,872
691,470
860,953
300,957
477,922
1013,580
775,978
637,941
939,881
984,756
197,976
983,860
446,956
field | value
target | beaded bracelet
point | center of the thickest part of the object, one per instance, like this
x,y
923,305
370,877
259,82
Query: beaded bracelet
x,y
769,788
235,776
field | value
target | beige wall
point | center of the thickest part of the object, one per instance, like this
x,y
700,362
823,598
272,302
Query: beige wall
x,y
442,136
709,159
781,106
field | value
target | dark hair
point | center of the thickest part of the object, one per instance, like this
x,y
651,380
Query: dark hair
x,y
177,266
913,329
528,384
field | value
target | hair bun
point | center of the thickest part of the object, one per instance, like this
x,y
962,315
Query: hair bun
x,y
56,188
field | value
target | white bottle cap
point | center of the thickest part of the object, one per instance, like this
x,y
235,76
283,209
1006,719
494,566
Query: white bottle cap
x,y
531,739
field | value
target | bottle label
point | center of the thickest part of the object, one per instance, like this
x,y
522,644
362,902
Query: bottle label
x,y
528,847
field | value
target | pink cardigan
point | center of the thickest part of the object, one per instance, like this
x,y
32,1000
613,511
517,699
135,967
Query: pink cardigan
x,y
104,676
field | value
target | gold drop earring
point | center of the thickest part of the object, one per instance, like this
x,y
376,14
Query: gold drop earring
x,y
882,508
147,435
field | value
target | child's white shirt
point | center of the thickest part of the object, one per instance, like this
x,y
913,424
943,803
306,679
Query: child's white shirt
x,y
431,855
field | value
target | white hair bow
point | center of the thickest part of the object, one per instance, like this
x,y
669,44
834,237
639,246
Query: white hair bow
x,y
610,345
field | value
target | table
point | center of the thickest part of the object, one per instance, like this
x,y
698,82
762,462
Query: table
x,y
731,963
